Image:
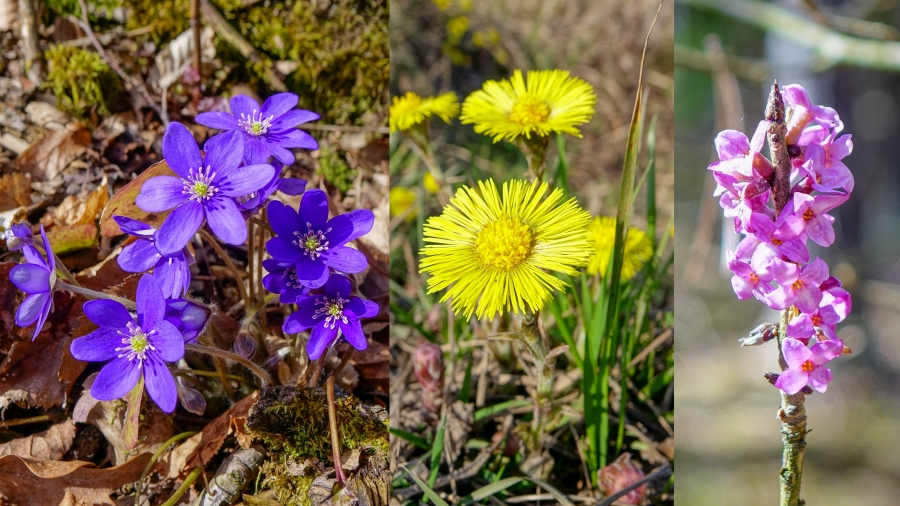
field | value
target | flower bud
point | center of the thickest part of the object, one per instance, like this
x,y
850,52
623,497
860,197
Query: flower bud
x,y
188,316
18,235
620,474
191,400
428,362
244,344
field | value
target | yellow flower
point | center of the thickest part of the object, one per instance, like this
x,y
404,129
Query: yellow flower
x,y
638,248
430,184
442,4
456,28
495,254
401,198
410,109
544,102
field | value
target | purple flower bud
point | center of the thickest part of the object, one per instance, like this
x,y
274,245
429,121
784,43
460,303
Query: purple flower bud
x,y
244,344
18,235
188,316
620,474
191,400
428,364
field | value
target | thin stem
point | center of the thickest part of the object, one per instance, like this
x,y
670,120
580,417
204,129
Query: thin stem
x,y
92,294
191,478
258,371
65,270
335,437
211,374
544,368
153,459
225,258
27,421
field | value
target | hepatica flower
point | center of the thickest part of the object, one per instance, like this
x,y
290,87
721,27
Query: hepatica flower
x,y
495,254
540,103
313,243
807,365
265,131
328,313
133,347
205,189
172,272
188,316
282,279
19,236
35,277
411,110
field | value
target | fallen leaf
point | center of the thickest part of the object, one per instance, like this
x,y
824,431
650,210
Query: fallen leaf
x,y
47,157
109,417
122,203
15,191
96,201
133,415
373,366
243,436
7,218
200,448
81,209
51,444
69,238
74,482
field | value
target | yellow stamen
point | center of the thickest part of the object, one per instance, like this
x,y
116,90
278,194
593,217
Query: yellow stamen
x,y
504,243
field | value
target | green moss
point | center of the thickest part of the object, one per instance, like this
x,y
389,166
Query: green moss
x,y
289,489
334,170
79,79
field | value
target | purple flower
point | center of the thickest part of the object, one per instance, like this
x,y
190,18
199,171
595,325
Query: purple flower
x,y
806,365
801,112
172,272
818,225
19,236
132,347
267,130
314,243
201,193
35,277
329,313
798,287
740,156
282,279
825,177
289,185
784,236
188,316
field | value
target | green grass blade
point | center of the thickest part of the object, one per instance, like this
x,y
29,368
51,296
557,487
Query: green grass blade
x,y
561,179
553,491
429,492
412,438
651,180
490,411
489,490
437,452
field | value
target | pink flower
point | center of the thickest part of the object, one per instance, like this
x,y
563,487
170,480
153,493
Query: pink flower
x,y
620,474
806,365
798,287
811,210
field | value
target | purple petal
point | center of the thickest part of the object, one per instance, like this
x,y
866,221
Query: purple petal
x,y
168,341
224,153
246,180
302,318
255,150
795,95
320,339
731,144
151,305
801,327
291,119
291,185
820,230
336,285
283,219
116,379
349,226
278,104
138,256
31,308
826,351
353,333
160,384
51,258
30,278
133,227
173,276
808,298
311,273
161,193
816,272
345,259
98,346
292,139
314,209
226,221
242,104
283,250
792,381
274,282
281,154
819,378
795,353
220,120
45,312
107,313
179,227
180,150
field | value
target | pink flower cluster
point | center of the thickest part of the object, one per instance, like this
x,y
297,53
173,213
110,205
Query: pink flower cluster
x,y
772,262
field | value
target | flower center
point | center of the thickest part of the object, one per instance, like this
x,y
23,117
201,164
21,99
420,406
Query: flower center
x,y
136,343
290,278
777,242
754,278
313,242
407,104
504,243
808,366
332,310
808,215
529,111
817,321
797,285
199,186
255,124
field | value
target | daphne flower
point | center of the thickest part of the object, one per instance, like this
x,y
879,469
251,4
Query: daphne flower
x,y
282,279
331,314
638,247
801,112
312,242
811,210
35,277
410,109
544,102
806,365
132,346
825,177
493,254
172,272
798,287
266,131
205,188
740,156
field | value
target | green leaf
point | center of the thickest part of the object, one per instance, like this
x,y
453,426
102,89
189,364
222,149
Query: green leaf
x,y
499,408
429,492
412,438
437,450
489,490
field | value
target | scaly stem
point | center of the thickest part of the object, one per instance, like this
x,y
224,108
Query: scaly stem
x,y
544,367
335,437
92,294
535,151
258,371
421,143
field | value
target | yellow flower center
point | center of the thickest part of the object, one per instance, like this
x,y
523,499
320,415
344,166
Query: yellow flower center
x,y
504,243
529,111
200,189
808,366
138,343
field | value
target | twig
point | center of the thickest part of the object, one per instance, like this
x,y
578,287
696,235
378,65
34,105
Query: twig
x,y
335,436
60,285
86,26
235,473
850,26
345,128
195,29
27,421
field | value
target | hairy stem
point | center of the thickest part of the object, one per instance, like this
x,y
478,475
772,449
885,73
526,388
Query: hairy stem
x,y
92,294
544,367
258,371
335,437
234,270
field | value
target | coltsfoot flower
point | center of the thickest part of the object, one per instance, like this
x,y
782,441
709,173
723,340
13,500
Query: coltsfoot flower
x,y
495,253
541,103
638,248
411,109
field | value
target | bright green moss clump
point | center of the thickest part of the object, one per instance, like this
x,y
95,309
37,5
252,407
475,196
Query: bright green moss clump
x,y
79,78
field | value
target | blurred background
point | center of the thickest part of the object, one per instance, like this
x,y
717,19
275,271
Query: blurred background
x,y
727,53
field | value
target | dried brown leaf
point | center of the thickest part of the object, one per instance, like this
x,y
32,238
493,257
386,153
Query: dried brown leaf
x,y
122,203
48,156
15,191
37,482
51,444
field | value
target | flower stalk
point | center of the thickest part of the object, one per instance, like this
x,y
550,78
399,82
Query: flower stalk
x,y
545,364
92,294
